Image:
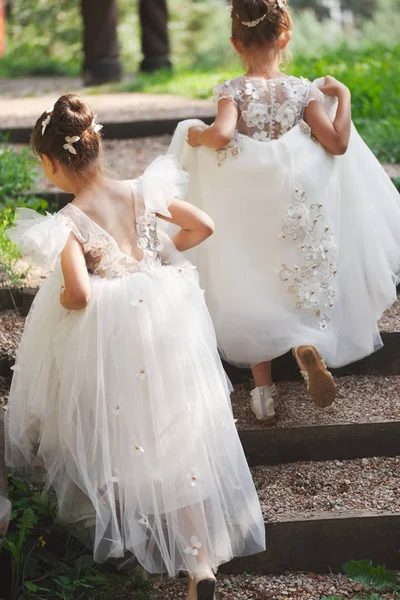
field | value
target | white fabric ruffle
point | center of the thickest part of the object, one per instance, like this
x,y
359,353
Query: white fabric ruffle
x,y
39,238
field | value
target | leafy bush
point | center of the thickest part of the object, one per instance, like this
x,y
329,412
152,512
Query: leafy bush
x,y
48,563
374,578
16,178
43,38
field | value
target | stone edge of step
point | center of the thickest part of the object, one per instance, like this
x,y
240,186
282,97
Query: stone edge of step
x,y
114,130
340,441
324,542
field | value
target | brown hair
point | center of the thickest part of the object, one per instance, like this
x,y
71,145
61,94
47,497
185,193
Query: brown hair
x,y
272,22
71,116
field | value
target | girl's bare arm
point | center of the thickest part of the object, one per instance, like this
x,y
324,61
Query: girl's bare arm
x,y
221,132
333,136
76,294
195,225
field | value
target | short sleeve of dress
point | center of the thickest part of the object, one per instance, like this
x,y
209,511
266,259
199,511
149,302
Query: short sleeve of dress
x,y
39,238
225,90
161,182
314,94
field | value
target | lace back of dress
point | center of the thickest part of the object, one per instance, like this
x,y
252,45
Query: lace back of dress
x,y
269,108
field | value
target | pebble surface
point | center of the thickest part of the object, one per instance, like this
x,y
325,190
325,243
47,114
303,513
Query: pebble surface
x,y
292,586
307,488
361,399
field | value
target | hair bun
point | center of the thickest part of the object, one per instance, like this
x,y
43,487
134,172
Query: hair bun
x,y
72,115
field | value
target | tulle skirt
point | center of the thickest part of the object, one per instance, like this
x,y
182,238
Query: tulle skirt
x,y
126,406
306,247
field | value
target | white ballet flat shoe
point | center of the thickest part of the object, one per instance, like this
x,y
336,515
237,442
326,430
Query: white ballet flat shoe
x,y
202,587
263,403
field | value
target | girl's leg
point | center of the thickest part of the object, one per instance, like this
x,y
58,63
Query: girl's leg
x,y
262,374
262,397
201,580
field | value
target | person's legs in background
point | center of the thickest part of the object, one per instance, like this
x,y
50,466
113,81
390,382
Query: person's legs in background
x,y
100,42
155,39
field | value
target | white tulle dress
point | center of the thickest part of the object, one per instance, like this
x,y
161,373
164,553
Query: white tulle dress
x,y
125,403
306,248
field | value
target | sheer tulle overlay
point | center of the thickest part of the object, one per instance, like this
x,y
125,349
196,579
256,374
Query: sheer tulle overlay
x,y
306,249
126,404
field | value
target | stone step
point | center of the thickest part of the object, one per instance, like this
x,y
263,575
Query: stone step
x,y
320,515
123,115
364,421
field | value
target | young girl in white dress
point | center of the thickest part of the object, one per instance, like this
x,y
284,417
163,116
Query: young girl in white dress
x,y
307,245
118,390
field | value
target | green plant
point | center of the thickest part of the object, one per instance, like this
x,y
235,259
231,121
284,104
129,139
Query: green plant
x,y
376,579
48,563
17,176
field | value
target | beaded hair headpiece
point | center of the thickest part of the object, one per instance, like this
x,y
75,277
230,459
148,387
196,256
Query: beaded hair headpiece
x,y
280,3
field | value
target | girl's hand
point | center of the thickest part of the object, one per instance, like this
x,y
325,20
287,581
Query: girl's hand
x,y
193,135
333,87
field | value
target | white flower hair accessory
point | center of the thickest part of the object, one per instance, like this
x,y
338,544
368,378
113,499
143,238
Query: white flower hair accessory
x,y
71,140
281,3
96,126
47,120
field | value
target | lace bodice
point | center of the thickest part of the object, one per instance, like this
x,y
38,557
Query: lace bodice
x,y
268,108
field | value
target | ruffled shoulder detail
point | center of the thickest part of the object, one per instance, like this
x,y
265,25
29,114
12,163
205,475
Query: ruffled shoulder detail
x,y
161,182
40,238
227,89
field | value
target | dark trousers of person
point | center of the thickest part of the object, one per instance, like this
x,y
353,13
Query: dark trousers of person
x,y
100,41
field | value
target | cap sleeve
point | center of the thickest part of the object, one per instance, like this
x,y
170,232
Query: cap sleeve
x,y
225,90
161,182
314,94
40,238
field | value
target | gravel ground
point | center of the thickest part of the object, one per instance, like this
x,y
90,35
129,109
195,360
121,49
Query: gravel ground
x,y
367,484
360,399
4,390
391,319
293,586
11,325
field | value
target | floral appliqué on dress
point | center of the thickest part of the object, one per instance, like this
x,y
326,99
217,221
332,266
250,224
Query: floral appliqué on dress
x,y
312,282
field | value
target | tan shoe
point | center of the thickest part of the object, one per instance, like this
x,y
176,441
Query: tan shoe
x,y
202,587
319,380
